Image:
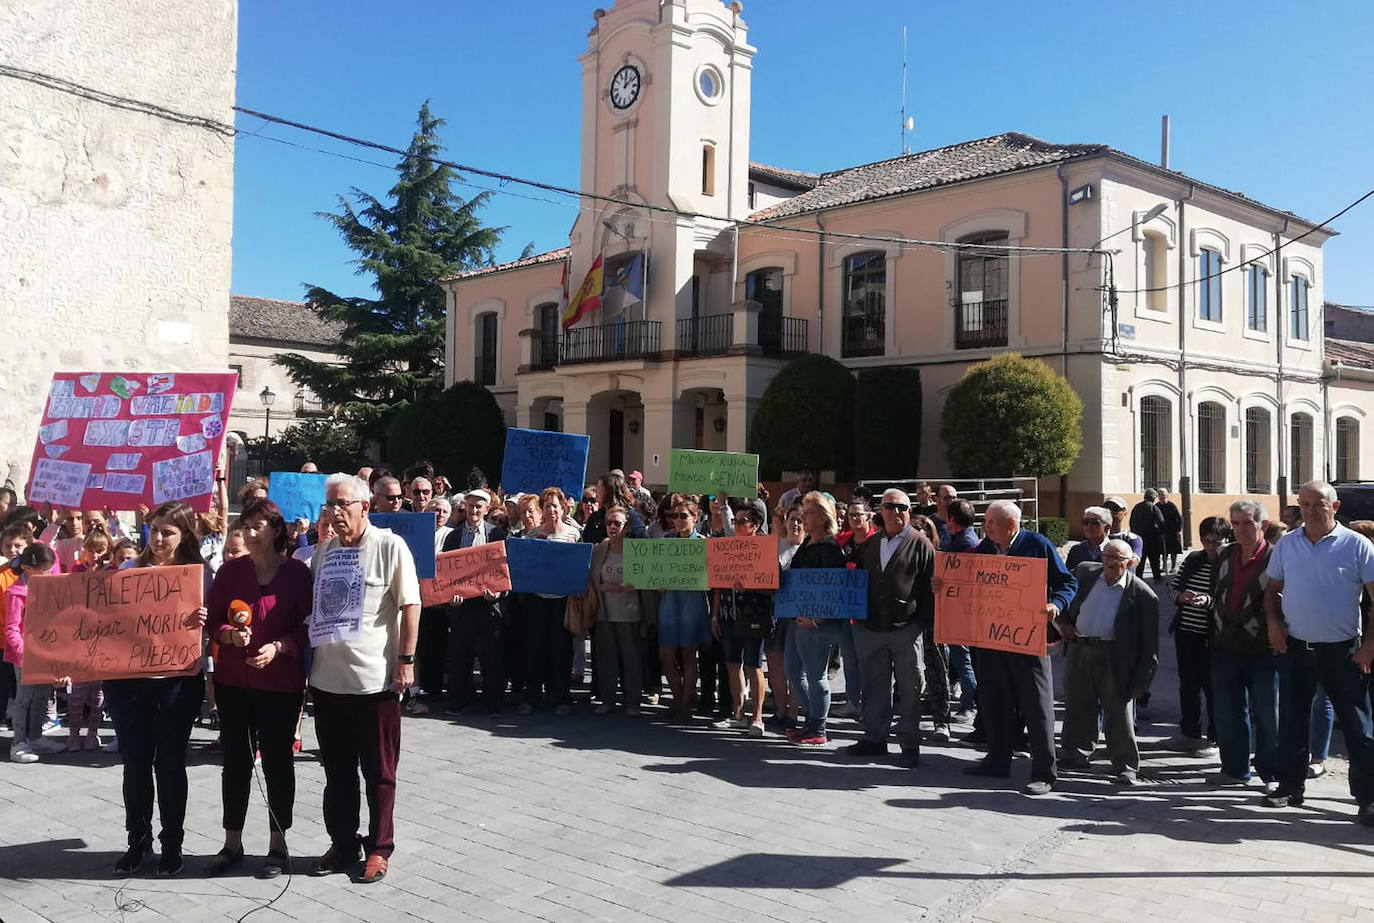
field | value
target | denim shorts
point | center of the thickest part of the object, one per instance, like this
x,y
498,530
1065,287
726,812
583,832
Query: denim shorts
x,y
748,652
683,619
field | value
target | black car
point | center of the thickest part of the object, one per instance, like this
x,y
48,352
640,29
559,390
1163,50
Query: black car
x,y
1357,500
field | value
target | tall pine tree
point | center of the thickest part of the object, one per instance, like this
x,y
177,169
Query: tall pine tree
x,y
393,345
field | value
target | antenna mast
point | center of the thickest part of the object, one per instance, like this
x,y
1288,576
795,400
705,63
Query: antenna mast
x,y
907,124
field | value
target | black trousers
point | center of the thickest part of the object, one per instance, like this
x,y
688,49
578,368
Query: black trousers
x,y
1004,681
715,684
152,719
252,719
431,651
548,651
1152,553
1194,682
475,630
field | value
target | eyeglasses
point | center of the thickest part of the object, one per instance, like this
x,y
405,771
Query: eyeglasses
x,y
615,522
338,503
1093,522
899,507
1119,559
679,516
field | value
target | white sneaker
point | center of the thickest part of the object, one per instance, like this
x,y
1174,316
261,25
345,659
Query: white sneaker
x,y
21,752
44,745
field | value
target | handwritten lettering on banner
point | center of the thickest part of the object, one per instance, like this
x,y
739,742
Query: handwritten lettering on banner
x,y
666,563
536,459
298,495
750,561
117,624
735,474
467,573
991,601
822,593
160,432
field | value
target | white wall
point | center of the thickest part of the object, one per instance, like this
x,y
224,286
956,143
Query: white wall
x,y
114,225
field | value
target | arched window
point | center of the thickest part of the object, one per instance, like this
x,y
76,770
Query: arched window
x,y
1209,285
546,320
1347,449
1299,450
1156,253
1211,448
484,349
1258,478
1156,442
981,314
865,304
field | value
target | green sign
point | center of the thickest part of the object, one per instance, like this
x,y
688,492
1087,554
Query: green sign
x,y
735,474
665,563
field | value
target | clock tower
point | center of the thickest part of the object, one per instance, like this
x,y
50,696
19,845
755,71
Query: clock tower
x,y
665,123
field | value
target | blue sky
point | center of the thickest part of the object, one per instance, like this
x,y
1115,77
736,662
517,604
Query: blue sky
x,y
1267,98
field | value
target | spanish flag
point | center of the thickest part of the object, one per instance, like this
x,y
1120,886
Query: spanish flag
x,y
587,297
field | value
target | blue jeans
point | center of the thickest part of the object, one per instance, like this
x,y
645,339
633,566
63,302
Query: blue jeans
x,y
849,658
807,661
1246,687
1305,665
1323,722
961,668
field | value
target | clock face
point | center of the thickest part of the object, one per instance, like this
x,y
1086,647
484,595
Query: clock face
x,y
625,87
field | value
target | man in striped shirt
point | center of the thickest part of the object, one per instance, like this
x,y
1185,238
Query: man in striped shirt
x,y
1192,628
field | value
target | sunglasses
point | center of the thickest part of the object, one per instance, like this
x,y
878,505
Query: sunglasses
x,y
679,516
1116,557
421,492
588,499
615,522
391,496
899,507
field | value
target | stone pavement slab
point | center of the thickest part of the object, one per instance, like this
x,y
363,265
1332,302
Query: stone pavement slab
x,y
611,818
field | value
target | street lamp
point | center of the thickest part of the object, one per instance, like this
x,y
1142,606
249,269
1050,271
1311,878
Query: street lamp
x,y
268,398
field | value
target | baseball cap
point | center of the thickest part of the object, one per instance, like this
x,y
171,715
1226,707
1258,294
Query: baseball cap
x,y
637,474
1114,503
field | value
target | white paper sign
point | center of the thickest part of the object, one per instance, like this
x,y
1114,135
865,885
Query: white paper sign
x,y
59,482
339,589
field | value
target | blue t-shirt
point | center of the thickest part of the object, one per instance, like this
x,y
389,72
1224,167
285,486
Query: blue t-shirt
x,y
1322,582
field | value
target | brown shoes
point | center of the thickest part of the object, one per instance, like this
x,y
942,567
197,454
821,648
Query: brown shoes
x,y
374,871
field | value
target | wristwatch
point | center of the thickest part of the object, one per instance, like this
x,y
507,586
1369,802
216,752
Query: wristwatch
x,y
405,658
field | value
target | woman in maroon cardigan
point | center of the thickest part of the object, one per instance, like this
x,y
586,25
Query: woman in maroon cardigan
x,y
259,677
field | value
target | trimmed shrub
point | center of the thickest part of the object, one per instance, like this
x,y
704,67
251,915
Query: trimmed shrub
x,y
887,422
459,430
805,419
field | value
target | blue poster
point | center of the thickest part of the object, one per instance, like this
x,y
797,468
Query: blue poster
x,y
299,496
536,459
822,593
417,530
538,565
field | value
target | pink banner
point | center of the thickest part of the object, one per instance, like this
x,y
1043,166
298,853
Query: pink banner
x,y
120,439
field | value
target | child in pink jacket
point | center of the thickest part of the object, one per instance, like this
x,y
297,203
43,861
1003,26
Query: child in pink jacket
x,y
28,709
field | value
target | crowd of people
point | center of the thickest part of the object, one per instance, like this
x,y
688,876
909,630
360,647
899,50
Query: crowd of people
x,y
1271,643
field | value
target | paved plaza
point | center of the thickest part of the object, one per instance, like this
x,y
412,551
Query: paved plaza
x,y
612,818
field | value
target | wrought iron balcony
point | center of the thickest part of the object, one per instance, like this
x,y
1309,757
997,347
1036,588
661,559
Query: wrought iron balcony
x,y
782,336
980,324
635,339
712,335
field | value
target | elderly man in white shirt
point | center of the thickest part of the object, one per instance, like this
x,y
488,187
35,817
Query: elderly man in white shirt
x,y
1112,631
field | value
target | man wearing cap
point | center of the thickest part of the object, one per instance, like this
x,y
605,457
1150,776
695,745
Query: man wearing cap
x,y
1096,521
1117,507
642,495
475,625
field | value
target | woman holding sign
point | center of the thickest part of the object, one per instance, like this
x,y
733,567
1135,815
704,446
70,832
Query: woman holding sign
x,y
258,609
622,611
808,646
153,715
684,620
548,646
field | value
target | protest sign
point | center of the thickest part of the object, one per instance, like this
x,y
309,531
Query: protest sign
x,y
536,459
666,563
340,590
118,440
417,530
467,572
538,565
298,495
822,593
113,624
991,601
749,561
735,474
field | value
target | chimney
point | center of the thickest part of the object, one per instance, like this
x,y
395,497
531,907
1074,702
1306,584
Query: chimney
x,y
1164,142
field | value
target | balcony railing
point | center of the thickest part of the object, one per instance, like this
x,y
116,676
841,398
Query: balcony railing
x,y
635,339
980,324
862,339
712,335
544,351
782,336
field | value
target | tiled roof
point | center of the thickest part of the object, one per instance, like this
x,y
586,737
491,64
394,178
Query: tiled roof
x,y
780,176
968,160
550,256
274,319
1350,352
927,169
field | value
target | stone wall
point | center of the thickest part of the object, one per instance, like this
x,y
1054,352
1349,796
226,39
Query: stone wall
x,y
114,224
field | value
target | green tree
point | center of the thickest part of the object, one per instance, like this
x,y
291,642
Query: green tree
x,y
1012,416
393,345
805,419
330,445
887,421
459,430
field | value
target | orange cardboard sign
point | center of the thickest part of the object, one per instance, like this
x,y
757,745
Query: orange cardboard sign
x,y
991,601
466,572
749,561
113,624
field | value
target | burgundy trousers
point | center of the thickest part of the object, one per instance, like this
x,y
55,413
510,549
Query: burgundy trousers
x,y
359,732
